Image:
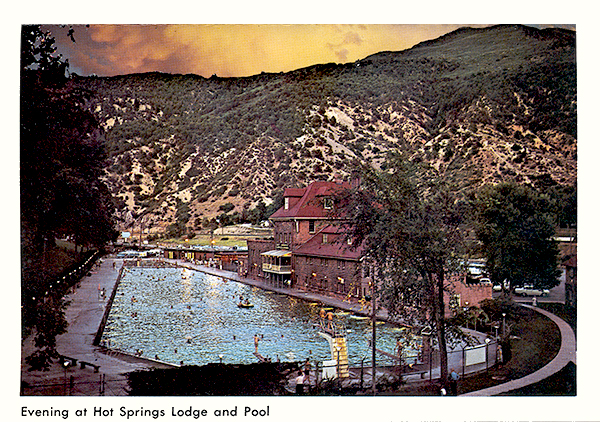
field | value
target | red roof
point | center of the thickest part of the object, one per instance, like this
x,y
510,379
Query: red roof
x,y
336,246
294,192
310,204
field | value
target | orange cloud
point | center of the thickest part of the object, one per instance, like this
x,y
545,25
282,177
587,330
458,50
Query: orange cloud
x,y
230,50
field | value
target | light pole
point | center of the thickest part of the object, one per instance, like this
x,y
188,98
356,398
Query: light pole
x,y
503,324
221,359
65,366
374,338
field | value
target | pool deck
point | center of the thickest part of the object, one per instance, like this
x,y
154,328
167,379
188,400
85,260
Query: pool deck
x,y
84,315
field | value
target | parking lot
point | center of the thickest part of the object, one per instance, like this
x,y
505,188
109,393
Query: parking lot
x,y
557,294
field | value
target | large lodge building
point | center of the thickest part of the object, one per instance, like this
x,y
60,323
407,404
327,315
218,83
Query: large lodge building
x,y
309,252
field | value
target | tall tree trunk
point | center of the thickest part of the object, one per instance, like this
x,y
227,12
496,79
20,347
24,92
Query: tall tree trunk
x,y
439,310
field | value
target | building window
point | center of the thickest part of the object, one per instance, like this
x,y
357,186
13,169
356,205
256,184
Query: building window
x,y
324,238
311,226
328,203
286,203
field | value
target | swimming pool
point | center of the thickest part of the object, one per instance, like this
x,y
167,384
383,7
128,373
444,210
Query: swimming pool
x,y
178,315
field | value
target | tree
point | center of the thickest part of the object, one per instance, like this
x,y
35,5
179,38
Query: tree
x,y
62,192
410,224
515,227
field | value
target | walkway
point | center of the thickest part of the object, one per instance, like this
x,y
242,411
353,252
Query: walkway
x,y
83,316
566,354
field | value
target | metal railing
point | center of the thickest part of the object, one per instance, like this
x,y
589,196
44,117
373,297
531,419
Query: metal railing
x,y
280,269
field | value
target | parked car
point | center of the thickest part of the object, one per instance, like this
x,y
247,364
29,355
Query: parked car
x,y
531,291
498,287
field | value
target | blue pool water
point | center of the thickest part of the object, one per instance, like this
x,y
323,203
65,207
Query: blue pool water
x,y
179,315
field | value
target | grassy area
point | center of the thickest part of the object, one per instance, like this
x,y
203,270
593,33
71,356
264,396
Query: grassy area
x,y
219,240
563,383
535,340
566,313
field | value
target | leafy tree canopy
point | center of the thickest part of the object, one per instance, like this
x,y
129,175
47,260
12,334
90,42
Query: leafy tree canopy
x,y
514,224
410,224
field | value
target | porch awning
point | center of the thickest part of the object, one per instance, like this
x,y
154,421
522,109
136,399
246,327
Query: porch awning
x,y
277,252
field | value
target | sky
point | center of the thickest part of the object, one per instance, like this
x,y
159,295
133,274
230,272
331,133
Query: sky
x,y
231,50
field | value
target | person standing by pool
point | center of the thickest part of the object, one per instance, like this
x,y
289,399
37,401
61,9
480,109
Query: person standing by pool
x,y
454,382
307,367
300,383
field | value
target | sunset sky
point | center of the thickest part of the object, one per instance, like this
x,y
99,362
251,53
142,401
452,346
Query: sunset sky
x,y
230,50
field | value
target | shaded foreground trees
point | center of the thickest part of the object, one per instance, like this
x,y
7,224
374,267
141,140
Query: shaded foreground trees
x,y
410,224
62,194
262,379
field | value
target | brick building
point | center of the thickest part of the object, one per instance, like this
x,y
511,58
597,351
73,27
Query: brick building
x,y
309,252
305,212
328,263
255,250
464,295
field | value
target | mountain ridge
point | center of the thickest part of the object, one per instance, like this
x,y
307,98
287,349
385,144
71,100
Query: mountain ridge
x,y
482,105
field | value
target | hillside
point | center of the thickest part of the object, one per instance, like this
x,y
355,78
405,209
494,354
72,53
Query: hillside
x,y
481,105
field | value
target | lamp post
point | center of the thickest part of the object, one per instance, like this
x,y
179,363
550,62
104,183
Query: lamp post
x,y
374,336
503,324
65,366
220,359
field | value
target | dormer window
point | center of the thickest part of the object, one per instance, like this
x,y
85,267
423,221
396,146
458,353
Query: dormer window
x,y
324,238
349,240
286,203
328,203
